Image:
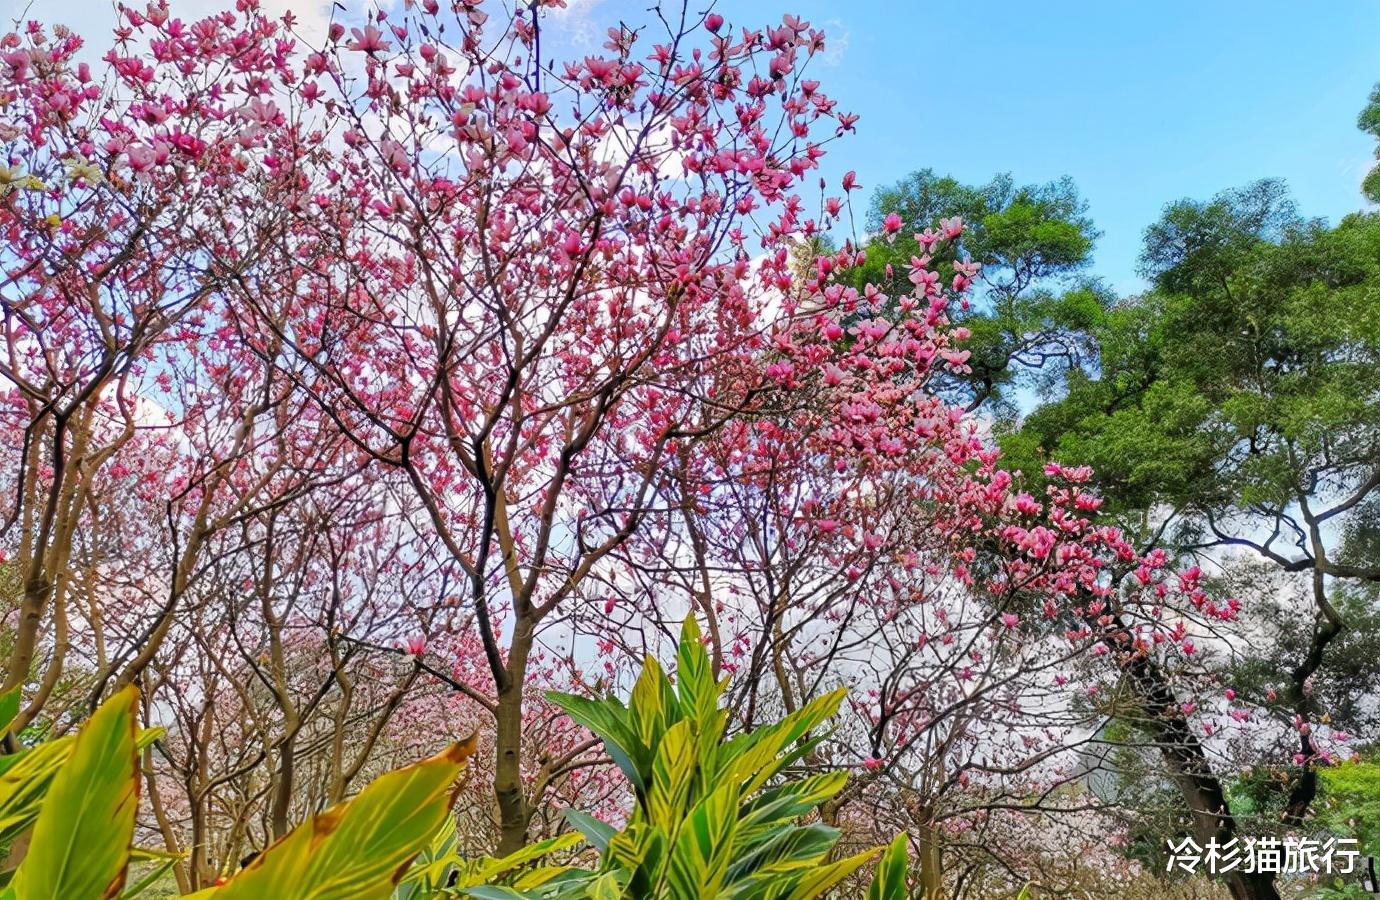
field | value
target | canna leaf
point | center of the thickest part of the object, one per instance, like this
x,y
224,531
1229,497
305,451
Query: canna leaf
x,y
653,707
596,832
889,881
699,694
751,759
81,839
9,707
361,848
489,870
673,773
27,775
816,883
704,846
785,850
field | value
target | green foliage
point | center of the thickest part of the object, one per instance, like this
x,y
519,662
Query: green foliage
x,y
1020,234
1244,381
27,775
1030,240
440,870
360,848
80,795
1369,122
714,817
1350,804
890,881
82,837
1351,660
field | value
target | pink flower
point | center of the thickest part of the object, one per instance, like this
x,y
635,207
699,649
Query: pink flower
x,y
141,157
850,180
872,764
1010,620
1230,694
415,645
714,22
892,223
370,40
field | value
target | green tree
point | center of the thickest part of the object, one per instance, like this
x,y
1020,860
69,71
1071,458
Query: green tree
x,y
1234,407
1033,306
1369,122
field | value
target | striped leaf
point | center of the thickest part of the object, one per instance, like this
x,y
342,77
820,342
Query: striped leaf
x,y
26,775
81,839
359,849
753,758
673,773
818,882
889,881
653,707
704,846
609,886
489,870
792,799
699,694
25,779
786,850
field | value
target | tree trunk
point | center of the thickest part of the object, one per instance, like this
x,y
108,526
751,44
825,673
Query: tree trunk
x,y
1188,763
514,813
931,861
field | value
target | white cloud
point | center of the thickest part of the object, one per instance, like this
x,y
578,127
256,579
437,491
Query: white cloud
x,y
835,42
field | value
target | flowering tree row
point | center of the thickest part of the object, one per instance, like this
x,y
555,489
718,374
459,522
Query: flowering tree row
x,y
382,381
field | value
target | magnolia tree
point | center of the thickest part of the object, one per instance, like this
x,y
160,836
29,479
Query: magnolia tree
x,y
132,199
529,286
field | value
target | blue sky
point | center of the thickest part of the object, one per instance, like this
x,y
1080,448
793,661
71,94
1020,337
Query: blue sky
x,y
1141,103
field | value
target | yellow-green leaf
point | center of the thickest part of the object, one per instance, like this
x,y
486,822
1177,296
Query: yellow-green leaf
x,y
26,777
651,703
822,879
81,840
699,694
9,707
359,849
889,881
673,771
487,871
704,845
